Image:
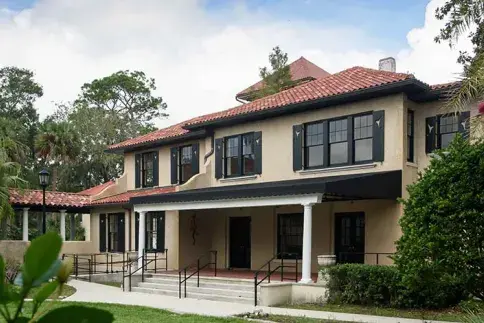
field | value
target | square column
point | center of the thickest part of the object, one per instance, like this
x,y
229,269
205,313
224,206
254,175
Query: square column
x,y
141,237
25,224
307,241
63,224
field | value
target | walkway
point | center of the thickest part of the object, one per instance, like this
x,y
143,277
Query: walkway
x,y
97,293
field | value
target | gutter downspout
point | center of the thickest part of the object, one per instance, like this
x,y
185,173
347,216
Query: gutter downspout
x,y
212,149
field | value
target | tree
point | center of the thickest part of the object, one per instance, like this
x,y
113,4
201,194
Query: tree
x,y
57,144
126,94
278,77
18,92
443,223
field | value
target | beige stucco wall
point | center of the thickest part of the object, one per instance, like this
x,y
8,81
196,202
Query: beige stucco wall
x,y
195,235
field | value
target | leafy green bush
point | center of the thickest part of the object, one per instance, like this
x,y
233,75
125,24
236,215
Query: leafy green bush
x,y
442,246
363,284
373,285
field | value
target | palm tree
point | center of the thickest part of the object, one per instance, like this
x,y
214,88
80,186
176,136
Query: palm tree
x,y
57,144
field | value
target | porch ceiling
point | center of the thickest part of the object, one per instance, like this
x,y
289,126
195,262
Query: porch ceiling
x,y
377,185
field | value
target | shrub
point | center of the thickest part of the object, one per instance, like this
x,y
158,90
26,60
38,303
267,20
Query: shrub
x,y
363,284
372,285
443,226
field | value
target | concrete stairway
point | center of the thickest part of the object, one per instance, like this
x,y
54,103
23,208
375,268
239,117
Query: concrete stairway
x,y
211,288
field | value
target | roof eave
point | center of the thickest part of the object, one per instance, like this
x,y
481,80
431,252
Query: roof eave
x,y
199,133
410,86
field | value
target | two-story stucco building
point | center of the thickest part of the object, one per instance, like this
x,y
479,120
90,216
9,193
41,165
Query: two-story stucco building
x,y
313,170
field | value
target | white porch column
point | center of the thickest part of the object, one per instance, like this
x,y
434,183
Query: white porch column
x,y
25,224
307,241
141,237
63,224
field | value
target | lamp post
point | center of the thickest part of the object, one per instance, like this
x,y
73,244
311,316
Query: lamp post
x,y
44,181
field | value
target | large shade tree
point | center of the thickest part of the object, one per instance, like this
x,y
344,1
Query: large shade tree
x,y
277,77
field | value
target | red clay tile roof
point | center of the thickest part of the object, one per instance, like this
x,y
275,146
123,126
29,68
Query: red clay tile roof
x,y
96,189
52,199
349,80
124,197
300,69
444,85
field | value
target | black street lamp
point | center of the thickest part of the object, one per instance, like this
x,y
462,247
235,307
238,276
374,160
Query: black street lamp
x,y
44,181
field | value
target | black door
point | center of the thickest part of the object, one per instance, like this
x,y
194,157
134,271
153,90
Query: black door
x,y
116,232
350,237
239,242
102,233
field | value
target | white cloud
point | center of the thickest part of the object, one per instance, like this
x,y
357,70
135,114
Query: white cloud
x,y
199,60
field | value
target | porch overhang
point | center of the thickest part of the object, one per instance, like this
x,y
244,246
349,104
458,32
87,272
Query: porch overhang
x,y
376,185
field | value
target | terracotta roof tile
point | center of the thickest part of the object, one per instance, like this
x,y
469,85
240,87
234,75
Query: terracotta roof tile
x,y
300,69
96,189
124,197
444,85
350,80
52,199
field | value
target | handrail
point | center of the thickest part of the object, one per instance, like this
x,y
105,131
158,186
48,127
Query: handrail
x,y
377,254
279,256
145,261
197,272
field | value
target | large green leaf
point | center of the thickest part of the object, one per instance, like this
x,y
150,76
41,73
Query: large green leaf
x,y
77,314
46,290
51,272
40,256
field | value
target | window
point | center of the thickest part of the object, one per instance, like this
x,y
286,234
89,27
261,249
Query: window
x,y
185,171
314,145
410,136
363,138
338,142
448,128
113,232
147,165
290,234
239,155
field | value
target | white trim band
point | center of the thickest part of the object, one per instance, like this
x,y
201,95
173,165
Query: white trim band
x,y
336,169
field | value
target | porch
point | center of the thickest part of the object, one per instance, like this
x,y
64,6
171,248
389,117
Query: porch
x,y
354,217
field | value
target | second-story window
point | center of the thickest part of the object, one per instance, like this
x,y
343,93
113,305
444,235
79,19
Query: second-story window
x,y
410,136
338,142
185,171
448,128
147,166
239,155
314,145
363,138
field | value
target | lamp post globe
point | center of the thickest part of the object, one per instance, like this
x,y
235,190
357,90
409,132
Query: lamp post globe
x,y
44,178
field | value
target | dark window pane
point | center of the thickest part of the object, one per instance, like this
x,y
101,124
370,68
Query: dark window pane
x,y
314,156
290,234
232,166
446,139
364,150
249,164
338,153
147,169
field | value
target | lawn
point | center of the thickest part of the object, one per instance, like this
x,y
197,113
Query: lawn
x,y
139,314
454,314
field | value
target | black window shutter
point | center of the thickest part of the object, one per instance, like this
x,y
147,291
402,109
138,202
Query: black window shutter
x,y
379,135
297,141
160,234
174,165
156,169
219,143
137,171
258,151
464,124
430,134
195,158
102,233
121,232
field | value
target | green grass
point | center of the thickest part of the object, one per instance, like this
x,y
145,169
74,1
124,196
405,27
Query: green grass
x,y
453,314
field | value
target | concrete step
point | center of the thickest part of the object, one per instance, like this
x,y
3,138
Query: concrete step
x,y
209,290
203,283
197,295
224,280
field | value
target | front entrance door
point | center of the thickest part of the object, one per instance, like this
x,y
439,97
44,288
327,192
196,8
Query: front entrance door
x,y
239,242
350,237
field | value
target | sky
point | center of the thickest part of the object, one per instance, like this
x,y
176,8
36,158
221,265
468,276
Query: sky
x,y
202,52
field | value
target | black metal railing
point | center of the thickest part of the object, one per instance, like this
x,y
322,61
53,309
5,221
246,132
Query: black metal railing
x,y
266,268
146,260
360,257
212,260
154,255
